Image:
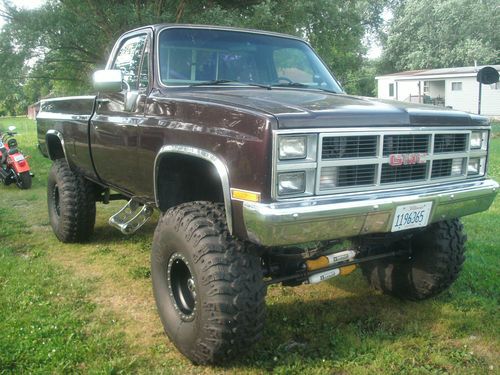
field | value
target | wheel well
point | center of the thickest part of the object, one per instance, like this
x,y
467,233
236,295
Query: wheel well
x,y
183,178
54,147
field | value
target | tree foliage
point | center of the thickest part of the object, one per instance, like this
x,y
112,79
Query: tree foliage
x,y
53,50
447,33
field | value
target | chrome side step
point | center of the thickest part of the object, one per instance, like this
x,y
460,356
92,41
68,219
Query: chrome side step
x,y
131,217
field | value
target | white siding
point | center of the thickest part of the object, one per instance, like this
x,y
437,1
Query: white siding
x,y
383,88
490,102
407,88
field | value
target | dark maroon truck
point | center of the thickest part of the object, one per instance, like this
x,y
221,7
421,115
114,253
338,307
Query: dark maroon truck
x,y
260,164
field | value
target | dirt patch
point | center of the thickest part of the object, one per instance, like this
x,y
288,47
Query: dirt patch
x,y
130,300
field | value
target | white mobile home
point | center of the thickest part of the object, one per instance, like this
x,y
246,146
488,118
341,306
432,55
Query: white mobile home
x,y
455,88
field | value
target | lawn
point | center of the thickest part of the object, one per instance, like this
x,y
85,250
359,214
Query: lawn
x,y
89,308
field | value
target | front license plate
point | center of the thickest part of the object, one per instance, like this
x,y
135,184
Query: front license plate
x,y
411,216
18,157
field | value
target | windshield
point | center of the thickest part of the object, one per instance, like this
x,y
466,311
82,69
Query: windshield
x,y
195,56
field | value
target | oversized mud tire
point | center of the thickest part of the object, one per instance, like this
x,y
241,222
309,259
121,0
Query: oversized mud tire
x,y
435,263
71,203
208,286
24,181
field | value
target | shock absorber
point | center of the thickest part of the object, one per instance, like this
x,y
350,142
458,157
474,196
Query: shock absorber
x,y
327,261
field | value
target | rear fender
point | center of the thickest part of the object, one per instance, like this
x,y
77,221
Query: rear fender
x,y
55,145
20,165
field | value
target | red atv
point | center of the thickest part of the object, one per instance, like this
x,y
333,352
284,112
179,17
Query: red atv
x,y
14,167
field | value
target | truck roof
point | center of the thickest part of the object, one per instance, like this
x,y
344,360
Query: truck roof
x,y
159,26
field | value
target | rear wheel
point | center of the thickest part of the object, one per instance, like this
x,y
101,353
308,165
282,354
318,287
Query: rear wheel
x,y
208,286
71,203
24,180
437,256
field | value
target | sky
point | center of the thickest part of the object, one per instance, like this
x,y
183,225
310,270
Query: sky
x,y
27,4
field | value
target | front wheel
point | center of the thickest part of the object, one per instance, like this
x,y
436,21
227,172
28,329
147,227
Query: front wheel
x,y
437,255
208,286
24,180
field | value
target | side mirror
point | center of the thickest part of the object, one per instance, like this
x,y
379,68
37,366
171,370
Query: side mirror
x,y
12,128
108,80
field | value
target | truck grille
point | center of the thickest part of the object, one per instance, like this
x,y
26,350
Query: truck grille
x,y
348,175
349,147
450,143
403,173
405,144
371,161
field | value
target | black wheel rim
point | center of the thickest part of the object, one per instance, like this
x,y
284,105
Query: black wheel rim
x,y
55,196
182,286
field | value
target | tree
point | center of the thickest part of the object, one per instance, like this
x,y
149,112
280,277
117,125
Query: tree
x,y
448,33
61,43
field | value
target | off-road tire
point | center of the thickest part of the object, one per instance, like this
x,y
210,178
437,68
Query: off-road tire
x,y
437,255
229,300
71,203
24,181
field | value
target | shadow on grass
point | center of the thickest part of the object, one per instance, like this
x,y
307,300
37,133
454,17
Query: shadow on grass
x,y
355,329
299,333
106,234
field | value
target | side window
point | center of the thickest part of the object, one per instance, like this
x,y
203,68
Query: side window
x,y
456,86
128,60
293,64
391,89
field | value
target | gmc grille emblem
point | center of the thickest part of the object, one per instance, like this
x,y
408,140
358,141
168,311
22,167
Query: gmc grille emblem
x,y
407,159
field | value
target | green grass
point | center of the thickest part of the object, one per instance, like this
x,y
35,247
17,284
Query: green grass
x,y
89,308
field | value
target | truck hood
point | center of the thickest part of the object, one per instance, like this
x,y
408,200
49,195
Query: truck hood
x,y
300,108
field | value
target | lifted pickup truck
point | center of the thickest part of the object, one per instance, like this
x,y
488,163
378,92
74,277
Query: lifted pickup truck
x,y
262,168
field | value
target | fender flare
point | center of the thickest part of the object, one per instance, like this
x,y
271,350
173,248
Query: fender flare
x,y
52,133
220,167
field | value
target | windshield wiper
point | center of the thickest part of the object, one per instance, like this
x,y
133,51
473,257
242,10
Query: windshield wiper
x,y
302,86
223,81
291,84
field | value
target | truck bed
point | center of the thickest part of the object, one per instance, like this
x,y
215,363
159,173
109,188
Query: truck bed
x,y
69,116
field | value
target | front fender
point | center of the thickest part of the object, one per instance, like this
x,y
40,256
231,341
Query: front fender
x,y
219,165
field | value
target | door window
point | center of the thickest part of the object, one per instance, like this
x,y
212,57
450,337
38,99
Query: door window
x,y
128,60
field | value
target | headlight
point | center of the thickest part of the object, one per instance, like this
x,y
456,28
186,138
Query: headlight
x,y
478,140
476,166
292,148
291,183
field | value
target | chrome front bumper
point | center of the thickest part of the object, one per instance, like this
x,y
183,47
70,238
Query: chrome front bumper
x,y
324,218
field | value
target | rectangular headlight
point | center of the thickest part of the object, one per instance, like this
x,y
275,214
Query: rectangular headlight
x,y
291,183
478,140
476,166
292,148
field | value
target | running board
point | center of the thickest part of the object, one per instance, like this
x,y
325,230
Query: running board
x,y
131,217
